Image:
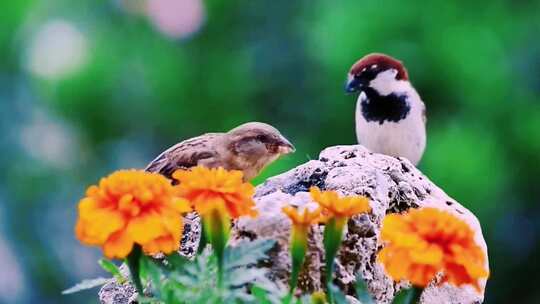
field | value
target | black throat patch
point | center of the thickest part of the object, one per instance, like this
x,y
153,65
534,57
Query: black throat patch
x,y
392,107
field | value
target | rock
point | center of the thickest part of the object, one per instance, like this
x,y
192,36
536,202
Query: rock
x,y
116,293
391,184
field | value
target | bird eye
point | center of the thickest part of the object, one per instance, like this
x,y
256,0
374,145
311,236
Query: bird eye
x,y
261,137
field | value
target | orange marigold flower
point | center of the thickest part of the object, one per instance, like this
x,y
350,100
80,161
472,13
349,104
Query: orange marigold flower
x,y
128,207
424,242
207,188
334,206
306,218
301,223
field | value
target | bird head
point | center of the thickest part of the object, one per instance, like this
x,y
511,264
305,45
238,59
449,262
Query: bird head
x,y
257,140
374,69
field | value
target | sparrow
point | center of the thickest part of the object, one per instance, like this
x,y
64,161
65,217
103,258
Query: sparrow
x,y
390,116
249,148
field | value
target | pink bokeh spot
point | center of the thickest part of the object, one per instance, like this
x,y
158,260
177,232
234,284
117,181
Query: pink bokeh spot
x,y
176,18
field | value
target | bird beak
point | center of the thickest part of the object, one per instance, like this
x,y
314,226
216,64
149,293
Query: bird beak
x,y
285,146
352,85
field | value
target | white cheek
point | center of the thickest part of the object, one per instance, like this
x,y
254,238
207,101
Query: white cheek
x,y
385,83
386,75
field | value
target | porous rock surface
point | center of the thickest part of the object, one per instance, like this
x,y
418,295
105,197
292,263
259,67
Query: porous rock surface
x,y
391,184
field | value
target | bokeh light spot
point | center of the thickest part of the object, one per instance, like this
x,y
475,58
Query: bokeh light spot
x,y
176,18
57,49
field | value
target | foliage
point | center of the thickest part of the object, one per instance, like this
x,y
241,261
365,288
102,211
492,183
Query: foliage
x,y
86,284
362,293
176,279
111,268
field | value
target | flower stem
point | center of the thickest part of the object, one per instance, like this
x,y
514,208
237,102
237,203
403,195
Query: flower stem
x,y
216,228
298,253
202,241
417,293
133,262
333,233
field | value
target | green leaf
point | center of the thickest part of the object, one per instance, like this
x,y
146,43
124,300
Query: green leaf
x,y
408,296
247,253
336,295
260,295
111,268
288,298
362,292
276,291
86,284
194,281
147,300
176,261
152,273
242,276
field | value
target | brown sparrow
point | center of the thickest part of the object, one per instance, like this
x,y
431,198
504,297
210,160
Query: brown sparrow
x,y
390,116
249,148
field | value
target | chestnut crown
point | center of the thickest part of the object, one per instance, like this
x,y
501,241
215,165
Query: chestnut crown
x,y
369,66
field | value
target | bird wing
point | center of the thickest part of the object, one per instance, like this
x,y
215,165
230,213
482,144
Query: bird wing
x,y
185,154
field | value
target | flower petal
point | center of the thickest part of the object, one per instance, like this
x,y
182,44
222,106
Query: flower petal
x,y
118,245
144,228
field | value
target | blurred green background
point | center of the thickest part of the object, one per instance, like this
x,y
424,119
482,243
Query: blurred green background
x,y
88,87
